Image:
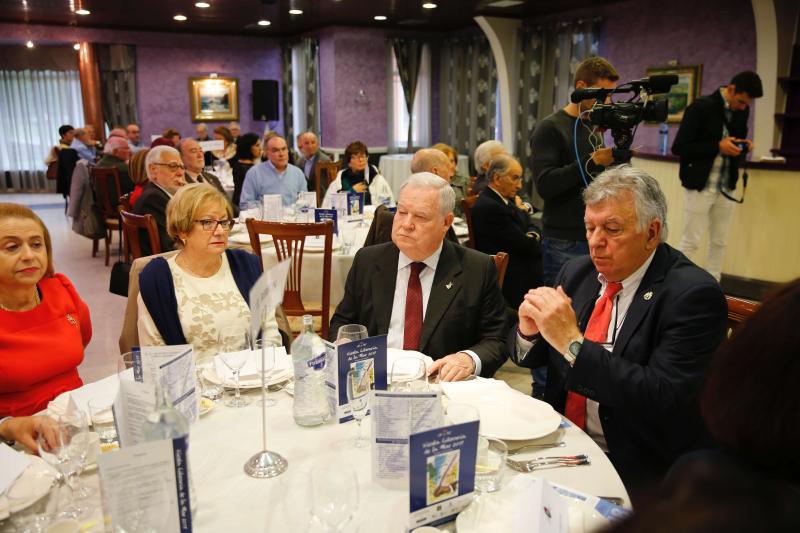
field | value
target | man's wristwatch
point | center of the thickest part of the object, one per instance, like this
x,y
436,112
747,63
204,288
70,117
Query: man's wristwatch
x,y
573,348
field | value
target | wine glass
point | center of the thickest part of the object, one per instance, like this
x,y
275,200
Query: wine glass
x,y
203,366
335,495
63,442
348,238
408,374
351,332
233,346
358,389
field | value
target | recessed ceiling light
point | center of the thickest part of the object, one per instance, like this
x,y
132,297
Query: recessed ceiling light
x,y
76,46
180,18
202,4
264,23
429,5
379,17
29,44
295,11
83,12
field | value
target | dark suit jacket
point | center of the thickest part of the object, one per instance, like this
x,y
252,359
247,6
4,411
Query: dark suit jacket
x,y
301,163
469,315
697,140
503,228
380,231
153,201
125,182
648,386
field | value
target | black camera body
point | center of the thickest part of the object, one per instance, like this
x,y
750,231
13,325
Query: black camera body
x,y
744,147
623,117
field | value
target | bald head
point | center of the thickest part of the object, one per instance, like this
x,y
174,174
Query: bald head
x,y
434,161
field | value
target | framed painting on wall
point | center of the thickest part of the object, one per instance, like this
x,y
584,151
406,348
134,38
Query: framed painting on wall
x,y
214,98
684,92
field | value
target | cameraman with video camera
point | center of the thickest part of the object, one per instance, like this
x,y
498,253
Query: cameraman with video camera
x,y
712,147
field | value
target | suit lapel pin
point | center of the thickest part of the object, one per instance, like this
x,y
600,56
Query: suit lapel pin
x,y
449,285
648,295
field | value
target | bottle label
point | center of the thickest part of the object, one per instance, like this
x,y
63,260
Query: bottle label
x,y
318,362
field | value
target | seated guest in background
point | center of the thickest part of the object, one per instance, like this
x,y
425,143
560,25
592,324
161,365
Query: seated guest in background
x,y
166,173
235,130
483,157
459,183
118,132
172,135
134,136
274,176
65,133
433,161
628,333
138,172
192,157
248,153
311,154
425,292
359,176
228,152
205,288
501,227
92,137
44,324
82,143
116,153
202,133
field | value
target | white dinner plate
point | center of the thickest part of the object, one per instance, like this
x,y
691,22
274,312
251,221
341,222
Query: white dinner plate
x,y
247,382
244,238
316,244
34,482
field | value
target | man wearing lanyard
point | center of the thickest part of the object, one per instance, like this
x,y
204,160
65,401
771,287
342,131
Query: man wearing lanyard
x,y
627,333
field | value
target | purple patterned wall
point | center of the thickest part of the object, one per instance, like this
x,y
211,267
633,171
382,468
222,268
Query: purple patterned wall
x,y
165,61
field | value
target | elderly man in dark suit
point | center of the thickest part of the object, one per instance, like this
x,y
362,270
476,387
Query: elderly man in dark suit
x,y
311,154
166,173
500,226
628,332
425,292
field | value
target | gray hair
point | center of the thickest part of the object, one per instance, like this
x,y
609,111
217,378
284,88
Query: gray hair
x,y
483,153
183,142
155,155
428,158
114,143
649,200
79,132
447,197
500,165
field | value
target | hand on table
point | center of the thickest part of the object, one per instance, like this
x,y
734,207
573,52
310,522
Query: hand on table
x,y
26,429
549,311
453,367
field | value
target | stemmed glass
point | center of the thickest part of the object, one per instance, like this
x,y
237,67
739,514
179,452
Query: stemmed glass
x,y
351,332
209,390
408,374
358,389
234,350
335,495
64,444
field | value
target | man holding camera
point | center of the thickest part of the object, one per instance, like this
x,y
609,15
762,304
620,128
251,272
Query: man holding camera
x,y
712,146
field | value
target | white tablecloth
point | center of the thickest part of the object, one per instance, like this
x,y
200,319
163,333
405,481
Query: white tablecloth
x,y
396,168
228,500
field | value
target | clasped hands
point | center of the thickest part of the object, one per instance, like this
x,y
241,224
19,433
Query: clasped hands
x,y
549,312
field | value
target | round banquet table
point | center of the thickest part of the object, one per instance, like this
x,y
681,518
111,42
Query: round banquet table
x,y
228,500
396,168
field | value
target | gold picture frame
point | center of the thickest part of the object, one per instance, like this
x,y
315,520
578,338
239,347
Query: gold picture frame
x,y
214,99
683,93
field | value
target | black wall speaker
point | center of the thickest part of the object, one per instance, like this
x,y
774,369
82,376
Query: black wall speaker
x,y
265,100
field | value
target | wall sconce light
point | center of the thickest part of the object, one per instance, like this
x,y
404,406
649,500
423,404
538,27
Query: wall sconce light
x,y
362,98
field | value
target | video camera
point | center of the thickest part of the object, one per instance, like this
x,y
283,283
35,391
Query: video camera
x,y
623,117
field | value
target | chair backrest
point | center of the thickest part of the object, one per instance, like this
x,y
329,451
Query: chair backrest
x,y
466,207
324,173
106,186
131,224
289,241
501,262
380,230
739,310
125,202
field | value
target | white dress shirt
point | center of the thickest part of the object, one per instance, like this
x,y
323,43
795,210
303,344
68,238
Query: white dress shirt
x,y
396,332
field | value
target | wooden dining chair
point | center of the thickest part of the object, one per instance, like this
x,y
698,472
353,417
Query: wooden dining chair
x,y
324,173
739,310
131,224
501,262
466,207
106,186
289,240
125,202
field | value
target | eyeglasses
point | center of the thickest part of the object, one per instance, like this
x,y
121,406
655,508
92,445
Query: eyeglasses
x,y
172,166
358,156
211,225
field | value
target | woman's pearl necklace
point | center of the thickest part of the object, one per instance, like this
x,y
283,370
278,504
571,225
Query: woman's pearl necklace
x,y
36,301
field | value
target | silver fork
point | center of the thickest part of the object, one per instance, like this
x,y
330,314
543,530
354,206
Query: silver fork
x,y
548,462
515,451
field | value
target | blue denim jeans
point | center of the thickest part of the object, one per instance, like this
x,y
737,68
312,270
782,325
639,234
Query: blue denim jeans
x,y
555,252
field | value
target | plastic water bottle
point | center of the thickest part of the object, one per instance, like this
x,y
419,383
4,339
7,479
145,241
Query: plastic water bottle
x,y
310,392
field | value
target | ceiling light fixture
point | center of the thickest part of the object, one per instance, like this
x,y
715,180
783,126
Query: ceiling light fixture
x,y
429,5
202,5
379,17
264,23
29,44
83,12
180,18
295,11
76,46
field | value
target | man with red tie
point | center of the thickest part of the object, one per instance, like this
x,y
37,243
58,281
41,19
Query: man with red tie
x,y
426,293
628,332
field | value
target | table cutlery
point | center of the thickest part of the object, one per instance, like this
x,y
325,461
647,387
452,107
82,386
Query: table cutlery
x,y
515,451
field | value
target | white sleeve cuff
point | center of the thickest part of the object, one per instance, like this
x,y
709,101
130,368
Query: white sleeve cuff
x,y
475,359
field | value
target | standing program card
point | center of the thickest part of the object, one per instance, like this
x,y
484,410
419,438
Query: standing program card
x,y
365,354
321,215
273,207
355,203
174,367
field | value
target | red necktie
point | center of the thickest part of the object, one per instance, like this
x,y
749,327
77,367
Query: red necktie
x,y
413,323
597,331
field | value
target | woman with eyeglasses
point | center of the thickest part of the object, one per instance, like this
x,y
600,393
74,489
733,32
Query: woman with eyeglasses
x,y
359,176
190,297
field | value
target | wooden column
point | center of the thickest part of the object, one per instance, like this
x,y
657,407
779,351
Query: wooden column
x,y
90,88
